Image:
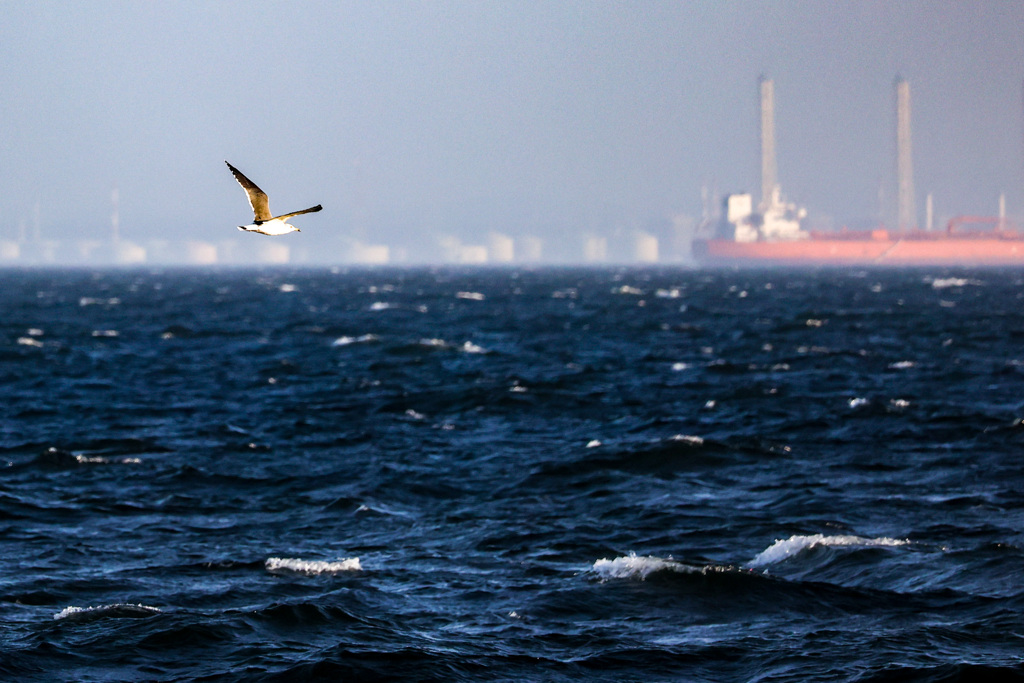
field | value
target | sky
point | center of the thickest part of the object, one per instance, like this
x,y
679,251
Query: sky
x,y
413,120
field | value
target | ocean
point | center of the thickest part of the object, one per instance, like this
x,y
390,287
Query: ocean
x,y
552,474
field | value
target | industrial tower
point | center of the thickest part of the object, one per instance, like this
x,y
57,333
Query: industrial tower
x,y
769,177
905,202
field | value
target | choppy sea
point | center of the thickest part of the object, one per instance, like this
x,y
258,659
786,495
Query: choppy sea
x,y
551,474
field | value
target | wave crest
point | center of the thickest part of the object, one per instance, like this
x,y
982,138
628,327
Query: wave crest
x,y
362,339
782,550
115,610
947,282
638,567
288,564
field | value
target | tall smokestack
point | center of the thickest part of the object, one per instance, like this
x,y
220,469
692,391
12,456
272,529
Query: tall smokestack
x,y
769,177
905,202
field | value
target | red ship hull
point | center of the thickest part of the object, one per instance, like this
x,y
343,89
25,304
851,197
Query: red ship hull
x,y
879,247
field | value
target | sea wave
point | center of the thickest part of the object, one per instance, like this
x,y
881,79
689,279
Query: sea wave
x,y
289,564
94,301
782,550
677,453
946,282
634,566
121,610
59,458
99,459
361,339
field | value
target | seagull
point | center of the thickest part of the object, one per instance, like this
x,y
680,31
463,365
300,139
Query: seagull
x,y
264,222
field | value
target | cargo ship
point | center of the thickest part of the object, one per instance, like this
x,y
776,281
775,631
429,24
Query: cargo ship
x,y
774,236
772,233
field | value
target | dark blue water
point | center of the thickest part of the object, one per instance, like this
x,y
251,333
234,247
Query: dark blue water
x,y
617,475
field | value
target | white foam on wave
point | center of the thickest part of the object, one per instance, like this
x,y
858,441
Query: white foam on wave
x,y
946,282
289,564
99,459
373,289
362,339
782,550
633,566
29,341
470,347
93,301
118,609
471,296
287,287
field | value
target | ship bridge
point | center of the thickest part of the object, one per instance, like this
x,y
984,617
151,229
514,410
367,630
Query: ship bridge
x,y
774,220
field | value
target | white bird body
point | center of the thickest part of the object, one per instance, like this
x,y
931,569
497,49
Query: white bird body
x,y
265,222
275,226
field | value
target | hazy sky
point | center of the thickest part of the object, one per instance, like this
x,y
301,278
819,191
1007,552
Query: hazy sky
x,y
422,118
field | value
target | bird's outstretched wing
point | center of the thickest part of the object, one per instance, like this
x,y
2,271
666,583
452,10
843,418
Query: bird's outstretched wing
x,y
297,213
257,197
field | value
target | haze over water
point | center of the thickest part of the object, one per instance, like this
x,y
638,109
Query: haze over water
x,y
423,124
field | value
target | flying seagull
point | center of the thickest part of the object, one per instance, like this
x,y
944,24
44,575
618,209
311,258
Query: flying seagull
x,y
265,222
